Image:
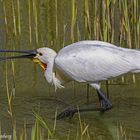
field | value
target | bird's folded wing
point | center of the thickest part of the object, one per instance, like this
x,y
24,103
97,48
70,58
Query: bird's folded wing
x,y
89,63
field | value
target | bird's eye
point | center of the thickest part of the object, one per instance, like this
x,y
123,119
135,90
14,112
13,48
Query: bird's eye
x,y
40,54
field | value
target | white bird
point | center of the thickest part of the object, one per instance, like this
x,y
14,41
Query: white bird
x,y
85,62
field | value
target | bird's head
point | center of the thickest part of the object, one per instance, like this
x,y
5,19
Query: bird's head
x,y
42,56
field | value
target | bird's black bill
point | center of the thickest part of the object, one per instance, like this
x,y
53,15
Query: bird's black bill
x,y
16,57
19,51
27,54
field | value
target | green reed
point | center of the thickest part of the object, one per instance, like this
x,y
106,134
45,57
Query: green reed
x,y
36,20
41,130
127,23
14,18
64,38
13,74
14,132
5,16
56,21
87,23
19,17
105,22
122,132
78,33
30,22
101,25
73,19
9,95
84,129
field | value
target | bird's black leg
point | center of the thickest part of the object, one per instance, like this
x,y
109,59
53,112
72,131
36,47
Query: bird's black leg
x,y
104,102
71,111
67,113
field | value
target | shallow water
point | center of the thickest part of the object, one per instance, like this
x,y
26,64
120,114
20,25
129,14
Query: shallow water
x,y
125,112
32,93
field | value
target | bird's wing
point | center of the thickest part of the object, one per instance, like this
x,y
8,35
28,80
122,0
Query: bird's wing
x,y
91,61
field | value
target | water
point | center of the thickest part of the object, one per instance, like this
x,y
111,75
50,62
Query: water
x,y
32,93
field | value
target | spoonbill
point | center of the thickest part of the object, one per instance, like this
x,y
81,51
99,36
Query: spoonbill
x,y
85,62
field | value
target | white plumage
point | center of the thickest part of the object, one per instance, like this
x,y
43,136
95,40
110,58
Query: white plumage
x,y
93,61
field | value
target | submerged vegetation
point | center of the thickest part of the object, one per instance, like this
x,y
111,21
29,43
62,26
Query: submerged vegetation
x,y
31,24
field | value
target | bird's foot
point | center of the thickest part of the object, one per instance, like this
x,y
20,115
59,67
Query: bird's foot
x,y
67,113
105,105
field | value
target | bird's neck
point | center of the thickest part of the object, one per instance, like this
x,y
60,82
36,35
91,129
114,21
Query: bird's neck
x,y
50,75
49,71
